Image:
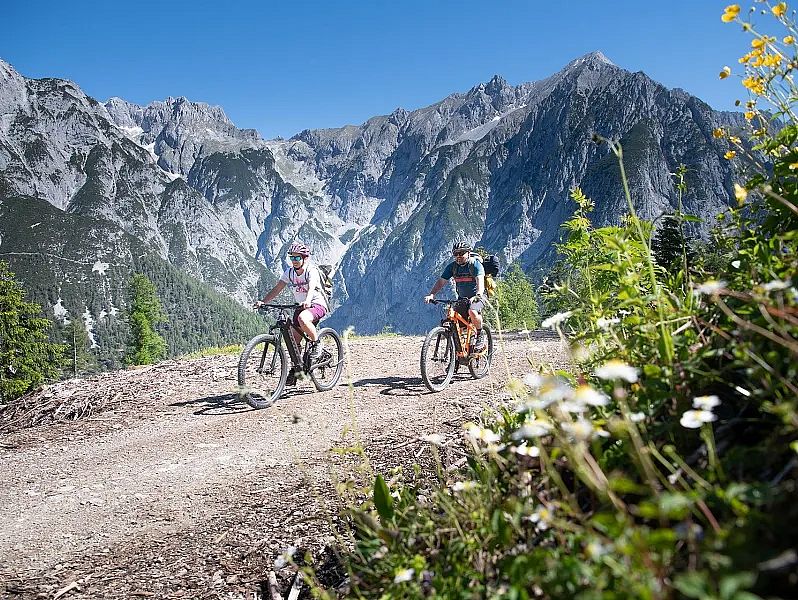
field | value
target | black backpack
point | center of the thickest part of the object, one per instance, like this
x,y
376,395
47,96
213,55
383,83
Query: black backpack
x,y
492,265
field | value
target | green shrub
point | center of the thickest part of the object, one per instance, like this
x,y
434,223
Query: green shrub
x,y
27,357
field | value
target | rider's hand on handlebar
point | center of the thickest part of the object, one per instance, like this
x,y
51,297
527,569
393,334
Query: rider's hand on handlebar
x,y
429,298
477,298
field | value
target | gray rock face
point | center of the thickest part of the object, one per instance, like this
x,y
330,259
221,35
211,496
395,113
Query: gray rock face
x,y
383,201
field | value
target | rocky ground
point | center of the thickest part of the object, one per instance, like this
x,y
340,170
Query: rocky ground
x,y
160,482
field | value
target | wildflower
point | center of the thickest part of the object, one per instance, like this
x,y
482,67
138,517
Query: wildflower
x,y
596,549
730,13
735,140
718,132
524,450
532,430
434,438
775,286
693,419
730,155
779,9
740,193
555,320
533,380
749,114
553,389
464,486
724,73
789,40
404,575
588,395
706,402
637,417
710,287
541,518
381,552
580,430
483,434
793,166
616,369
757,43
605,323
736,264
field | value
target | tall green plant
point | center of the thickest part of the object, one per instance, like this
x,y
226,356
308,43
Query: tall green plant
x,y
146,346
515,303
27,357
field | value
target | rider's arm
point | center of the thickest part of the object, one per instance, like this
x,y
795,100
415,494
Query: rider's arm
x,y
314,283
272,294
480,285
437,287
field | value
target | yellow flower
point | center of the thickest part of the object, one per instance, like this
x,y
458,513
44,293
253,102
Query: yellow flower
x,y
735,140
749,115
757,43
740,193
730,13
718,133
779,9
725,72
793,166
755,84
789,40
730,155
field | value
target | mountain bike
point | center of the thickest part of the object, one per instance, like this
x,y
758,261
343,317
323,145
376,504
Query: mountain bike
x,y
263,367
450,345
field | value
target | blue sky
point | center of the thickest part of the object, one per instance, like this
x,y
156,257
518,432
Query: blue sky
x,y
281,67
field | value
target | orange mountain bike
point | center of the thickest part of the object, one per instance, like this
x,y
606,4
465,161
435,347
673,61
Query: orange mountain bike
x,y
450,345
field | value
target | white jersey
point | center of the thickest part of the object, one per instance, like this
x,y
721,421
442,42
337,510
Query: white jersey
x,y
308,284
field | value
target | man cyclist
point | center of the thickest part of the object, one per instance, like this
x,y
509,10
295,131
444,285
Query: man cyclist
x,y
305,282
469,278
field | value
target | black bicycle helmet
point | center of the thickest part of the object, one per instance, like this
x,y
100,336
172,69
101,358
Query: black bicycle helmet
x,y
460,246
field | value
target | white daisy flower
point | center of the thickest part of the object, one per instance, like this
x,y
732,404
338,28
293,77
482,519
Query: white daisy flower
x,y
404,575
637,417
710,287
555,320
605,323
591,396
533,380
480,433
531,430
524,450
463,486
693,419
435,439
617,369
581,429
776,285
706,402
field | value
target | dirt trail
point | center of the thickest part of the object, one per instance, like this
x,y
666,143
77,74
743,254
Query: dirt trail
x,y
179,489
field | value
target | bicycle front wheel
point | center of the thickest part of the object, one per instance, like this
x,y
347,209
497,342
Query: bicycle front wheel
x,y
480,363
326,371
262,371
437,359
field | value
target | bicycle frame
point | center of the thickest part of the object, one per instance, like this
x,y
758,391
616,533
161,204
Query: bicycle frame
x,y
463,331
283,326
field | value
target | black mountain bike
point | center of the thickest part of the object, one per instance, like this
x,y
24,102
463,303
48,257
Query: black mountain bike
x,y
263,367
450,345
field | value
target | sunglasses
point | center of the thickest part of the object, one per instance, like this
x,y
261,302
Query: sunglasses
x,y
293,257
459,253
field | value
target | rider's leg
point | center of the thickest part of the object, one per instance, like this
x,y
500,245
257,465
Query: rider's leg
x,y
476,318
307,326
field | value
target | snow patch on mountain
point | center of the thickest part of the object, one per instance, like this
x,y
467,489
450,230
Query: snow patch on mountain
x,y
88,321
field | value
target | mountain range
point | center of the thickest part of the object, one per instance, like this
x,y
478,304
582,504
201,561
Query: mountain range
x,y
175,181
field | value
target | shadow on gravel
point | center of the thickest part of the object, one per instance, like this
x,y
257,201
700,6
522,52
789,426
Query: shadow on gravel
x,y
394,386
224,404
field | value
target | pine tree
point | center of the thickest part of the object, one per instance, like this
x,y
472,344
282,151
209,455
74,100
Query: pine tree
x,y
515,301
79,358
27,357
146,346
671,248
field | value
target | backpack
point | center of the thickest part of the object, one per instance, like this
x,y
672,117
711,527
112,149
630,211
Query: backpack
x,y
325,279
491,266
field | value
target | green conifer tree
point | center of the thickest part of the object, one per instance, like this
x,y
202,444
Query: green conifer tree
x,y
27,357
146,346
515,301
671,248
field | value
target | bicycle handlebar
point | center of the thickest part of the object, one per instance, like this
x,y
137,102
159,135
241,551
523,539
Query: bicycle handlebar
x,y
278,306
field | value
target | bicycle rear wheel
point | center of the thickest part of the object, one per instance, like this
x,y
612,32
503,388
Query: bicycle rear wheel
x,y
437,359
480,363
262,370
326,371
